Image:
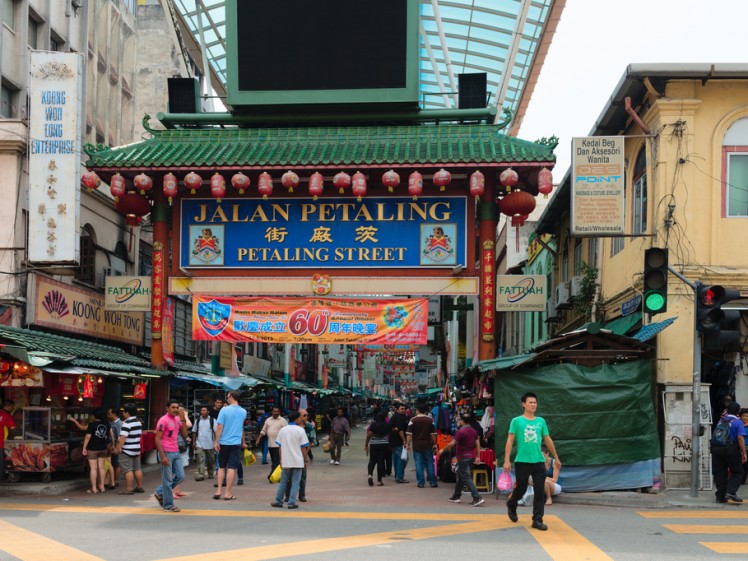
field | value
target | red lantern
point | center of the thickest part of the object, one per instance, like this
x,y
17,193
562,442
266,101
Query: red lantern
x,y
442,178
218,186
90,180
133,206
342,181
143,182
170,186
359,185
265,185
391,179
193,182
117,186
240,182
415,185
290,180
316,184
477,184
508,179
518,204
545,182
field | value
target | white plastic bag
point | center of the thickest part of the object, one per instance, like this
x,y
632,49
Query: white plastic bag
x,y
404,454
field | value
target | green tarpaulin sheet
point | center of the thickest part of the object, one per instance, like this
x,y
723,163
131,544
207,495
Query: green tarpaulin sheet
x,y
600,415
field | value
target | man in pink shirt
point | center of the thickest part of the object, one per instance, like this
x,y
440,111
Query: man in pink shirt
x,y
168,428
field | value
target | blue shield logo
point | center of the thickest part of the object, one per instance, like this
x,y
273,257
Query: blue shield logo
x,y
213,316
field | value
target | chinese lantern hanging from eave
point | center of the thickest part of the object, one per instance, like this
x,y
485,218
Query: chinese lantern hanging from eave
x,y
90,180
545,182
134,207
290,180
508,178
415,185
117,187
143,183
390,179
341,181
218,186
442,178
193,182
518,205
316,184
477,184
240,182
170,186
359,185
265,185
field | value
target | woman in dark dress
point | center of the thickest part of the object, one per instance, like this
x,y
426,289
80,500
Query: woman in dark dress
x,y
377,447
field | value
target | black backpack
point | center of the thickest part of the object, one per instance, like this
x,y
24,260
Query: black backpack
x,y
721,435
197,426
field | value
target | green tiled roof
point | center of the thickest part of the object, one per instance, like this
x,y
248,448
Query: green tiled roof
x,y
331,147
88,354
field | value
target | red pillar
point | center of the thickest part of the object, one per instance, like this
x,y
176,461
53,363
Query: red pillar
x,y
159,216
488,217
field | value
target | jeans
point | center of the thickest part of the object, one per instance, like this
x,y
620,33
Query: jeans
x,y
206,461
424,459
398,464
524,471
171,476
465,479
726,458
292,475
302,486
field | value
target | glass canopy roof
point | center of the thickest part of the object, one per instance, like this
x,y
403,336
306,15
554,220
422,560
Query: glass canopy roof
x,y
457,36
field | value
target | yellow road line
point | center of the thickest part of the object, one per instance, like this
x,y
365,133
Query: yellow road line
x,y
29,546
682,514
706,529
727,547
563,543
269,513
296,549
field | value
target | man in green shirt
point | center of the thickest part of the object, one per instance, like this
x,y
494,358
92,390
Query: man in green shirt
x,y
529,432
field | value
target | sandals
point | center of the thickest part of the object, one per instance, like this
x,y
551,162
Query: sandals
x,y
126,493
91,492
110,487
139,490
217,497
231,498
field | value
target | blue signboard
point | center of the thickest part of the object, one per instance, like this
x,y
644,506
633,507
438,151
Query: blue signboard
x,y
378,232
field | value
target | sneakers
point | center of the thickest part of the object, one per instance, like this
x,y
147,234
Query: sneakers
x,y
199,478
721,500
277,505
477,502
539,525
332,462
240,482
455,500
337,463
512,513
291,507
733,498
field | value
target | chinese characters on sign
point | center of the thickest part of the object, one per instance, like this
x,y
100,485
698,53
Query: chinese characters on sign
x,y
157,298
488,290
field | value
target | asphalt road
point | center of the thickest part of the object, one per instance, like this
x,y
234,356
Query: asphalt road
x,y
346,520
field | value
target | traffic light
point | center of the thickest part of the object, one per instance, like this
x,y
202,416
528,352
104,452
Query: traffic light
x,y
712,320
655,280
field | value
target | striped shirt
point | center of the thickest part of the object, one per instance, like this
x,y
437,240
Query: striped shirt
x,y
132,429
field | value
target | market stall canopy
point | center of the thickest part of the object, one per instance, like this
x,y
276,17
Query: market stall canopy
x,y
501,363
224,382
649,331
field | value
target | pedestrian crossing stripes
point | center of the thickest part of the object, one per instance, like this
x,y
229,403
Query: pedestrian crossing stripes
x,y
720,522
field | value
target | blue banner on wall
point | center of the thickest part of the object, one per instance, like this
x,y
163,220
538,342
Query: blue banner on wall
x,y
378,232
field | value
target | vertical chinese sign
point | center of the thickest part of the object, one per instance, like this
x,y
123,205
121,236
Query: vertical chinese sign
x,y
168,331
157,300
488,290
55,108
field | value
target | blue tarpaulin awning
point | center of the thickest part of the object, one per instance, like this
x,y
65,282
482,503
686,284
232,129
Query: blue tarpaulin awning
x,y
649,331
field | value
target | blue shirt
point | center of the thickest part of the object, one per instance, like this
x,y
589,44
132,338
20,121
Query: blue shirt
x,y
232,420
737,428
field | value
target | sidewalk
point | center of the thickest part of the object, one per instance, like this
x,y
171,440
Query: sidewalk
x,y
345,486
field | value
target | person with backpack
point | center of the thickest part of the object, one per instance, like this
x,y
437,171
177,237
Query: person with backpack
x,y
203,441
728,455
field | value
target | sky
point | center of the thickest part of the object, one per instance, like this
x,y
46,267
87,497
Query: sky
x,y
597,39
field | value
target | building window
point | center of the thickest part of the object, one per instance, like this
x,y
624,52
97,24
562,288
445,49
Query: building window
x,y
639,187
616,246
578,257
592,252
9,13
6,102
53,44
87,269
735,168
33,33
565,265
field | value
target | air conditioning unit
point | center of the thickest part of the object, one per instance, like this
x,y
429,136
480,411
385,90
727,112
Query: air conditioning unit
x,y
552,313
576,286
563,296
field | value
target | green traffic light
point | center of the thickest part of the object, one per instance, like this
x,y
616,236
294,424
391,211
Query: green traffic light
x,y
654,301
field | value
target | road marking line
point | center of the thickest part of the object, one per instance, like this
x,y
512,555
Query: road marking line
x,y
269,513
29,546
563,543
706,529
726,547
711,514
296,549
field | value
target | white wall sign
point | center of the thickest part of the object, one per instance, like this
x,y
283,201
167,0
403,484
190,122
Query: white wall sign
x,y
597,186
520,293
55,89
129,294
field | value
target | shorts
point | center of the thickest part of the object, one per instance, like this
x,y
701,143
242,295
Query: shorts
x,y
96,454
115,461
129,463
230,456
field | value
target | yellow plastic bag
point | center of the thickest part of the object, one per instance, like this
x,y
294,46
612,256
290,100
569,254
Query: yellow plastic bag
x,y
249,458
275,477
326,446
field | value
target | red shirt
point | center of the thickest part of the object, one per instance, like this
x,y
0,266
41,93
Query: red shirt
x,y
6,421
465,439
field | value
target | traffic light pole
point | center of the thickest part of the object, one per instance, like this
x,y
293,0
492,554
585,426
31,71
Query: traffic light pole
x,y
696,397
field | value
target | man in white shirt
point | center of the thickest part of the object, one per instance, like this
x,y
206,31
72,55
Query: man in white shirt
x,y
271,428
203,431
293,446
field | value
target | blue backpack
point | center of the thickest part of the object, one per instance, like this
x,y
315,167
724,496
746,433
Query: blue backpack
x,y
721,435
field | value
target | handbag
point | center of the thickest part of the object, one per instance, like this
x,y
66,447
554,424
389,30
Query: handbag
x,y
326,446
505,482
275,477
182,444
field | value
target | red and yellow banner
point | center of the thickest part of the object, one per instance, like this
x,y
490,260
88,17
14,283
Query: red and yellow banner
x,y
310,320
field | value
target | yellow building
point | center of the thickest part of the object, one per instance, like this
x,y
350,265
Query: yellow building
x,y
686,189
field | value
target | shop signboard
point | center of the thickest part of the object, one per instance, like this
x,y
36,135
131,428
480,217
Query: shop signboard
x,y
310,320
55,108
520,293
128,294
377,232
597,186
64,307
435,310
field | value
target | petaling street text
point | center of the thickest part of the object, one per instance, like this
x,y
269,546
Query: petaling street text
x,y
321,254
